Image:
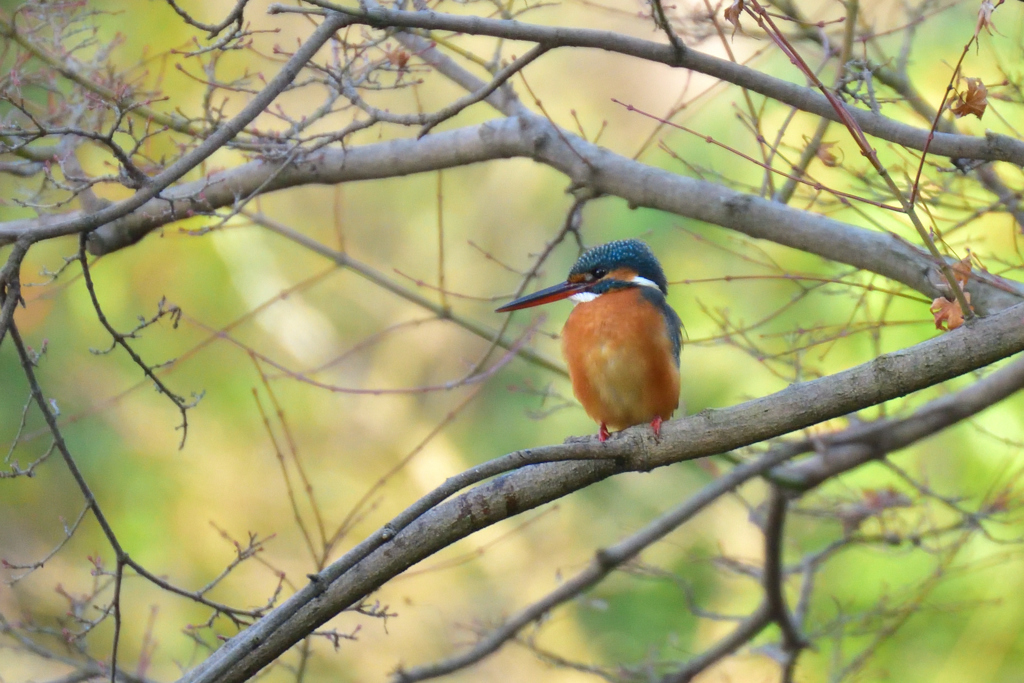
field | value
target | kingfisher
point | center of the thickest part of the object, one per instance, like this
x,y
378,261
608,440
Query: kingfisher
x,y
622,339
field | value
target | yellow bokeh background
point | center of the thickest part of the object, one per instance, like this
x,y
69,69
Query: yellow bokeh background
x,y
174,510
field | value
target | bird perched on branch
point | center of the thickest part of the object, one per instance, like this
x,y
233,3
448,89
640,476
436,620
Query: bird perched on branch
x,y
622,340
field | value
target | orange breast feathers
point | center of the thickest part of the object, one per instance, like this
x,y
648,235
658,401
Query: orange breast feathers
x,y
621,361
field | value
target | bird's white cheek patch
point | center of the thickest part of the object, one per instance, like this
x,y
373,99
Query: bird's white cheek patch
x,y
644,282
583,297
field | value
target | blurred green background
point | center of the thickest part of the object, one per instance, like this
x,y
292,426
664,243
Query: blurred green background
x,y
177,511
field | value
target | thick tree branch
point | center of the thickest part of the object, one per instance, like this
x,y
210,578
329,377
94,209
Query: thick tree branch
x,y
428,529
84,222
603,171
900,82
604,562
327,166
860,444
992,147
529,478
642,185
832,457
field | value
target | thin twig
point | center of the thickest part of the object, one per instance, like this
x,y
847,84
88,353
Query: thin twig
x,y
180,403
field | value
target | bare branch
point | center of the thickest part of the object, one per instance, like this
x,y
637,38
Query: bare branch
x,y
992,147
344,104
775,599
392,549
86,222
604,172
10,286
742,635
182,405
386,283
935,416
604,562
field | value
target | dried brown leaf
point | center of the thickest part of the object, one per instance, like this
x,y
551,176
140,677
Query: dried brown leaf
x,y
732,15
948,315
985,18
397,56
973,101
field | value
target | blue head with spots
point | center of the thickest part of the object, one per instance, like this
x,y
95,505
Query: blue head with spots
x,y
629,255
617,265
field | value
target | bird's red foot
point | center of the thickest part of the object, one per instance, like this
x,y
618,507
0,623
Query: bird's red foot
x,y
603,434
656,426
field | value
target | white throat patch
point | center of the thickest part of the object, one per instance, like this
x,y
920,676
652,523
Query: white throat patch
x,y
583,297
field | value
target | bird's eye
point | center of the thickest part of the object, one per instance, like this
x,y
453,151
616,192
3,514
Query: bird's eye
x,y
600,273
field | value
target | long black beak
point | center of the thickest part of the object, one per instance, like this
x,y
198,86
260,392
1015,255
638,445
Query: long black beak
x,y
545,296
